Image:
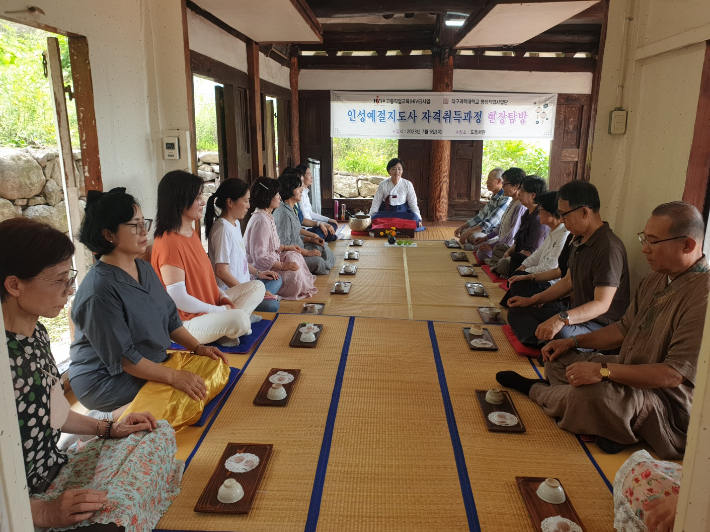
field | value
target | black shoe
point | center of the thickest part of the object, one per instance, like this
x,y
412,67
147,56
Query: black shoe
x,y
511,379
608,446
540,361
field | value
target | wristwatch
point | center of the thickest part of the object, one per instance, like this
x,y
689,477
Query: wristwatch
x,y
605,372
564,317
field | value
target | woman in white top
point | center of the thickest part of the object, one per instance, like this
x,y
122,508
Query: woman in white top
x,y
226,247
396,194
330,226
543,267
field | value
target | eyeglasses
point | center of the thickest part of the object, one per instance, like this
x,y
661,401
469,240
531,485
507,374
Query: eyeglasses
x,y
69,284
644,240
563,214
145,224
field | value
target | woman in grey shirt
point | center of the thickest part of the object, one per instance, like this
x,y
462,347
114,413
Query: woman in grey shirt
x,y
123,316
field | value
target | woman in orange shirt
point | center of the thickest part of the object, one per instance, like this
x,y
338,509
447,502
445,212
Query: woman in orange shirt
x,y
184,268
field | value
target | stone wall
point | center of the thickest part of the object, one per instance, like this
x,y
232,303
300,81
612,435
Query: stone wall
x,y
31,185
208,170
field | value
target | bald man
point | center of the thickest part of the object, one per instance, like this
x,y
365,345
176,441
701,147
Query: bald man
x,y
645,392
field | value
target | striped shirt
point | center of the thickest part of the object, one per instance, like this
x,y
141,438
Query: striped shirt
x,y
489,217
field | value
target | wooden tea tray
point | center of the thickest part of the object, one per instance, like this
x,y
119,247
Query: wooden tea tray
x,y
461,269
487,318
486,336
506,406
459,258
261,398
357,256
469,289
450,245
343,272
347,284
250,480
296,339
540,510
320,307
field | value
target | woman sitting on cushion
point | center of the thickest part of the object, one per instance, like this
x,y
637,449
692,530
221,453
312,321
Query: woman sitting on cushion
x,y
180,261
327,230
264,249
319,258
118,457
396,195
226,246
123,316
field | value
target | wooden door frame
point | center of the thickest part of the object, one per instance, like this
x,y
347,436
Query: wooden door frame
x,y
698,172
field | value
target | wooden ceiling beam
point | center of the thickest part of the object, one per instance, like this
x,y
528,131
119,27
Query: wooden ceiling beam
x,y
469,62
373,40
363,8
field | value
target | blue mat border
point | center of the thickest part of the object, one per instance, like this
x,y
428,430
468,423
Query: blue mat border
x,y
464,480
581,442
219,409
322,467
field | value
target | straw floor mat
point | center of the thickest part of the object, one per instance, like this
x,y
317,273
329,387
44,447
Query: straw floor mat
x,y
406,447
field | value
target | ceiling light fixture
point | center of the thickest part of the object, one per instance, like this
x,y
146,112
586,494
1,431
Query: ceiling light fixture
x,y
455,22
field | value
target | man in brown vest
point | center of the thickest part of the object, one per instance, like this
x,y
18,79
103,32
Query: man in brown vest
x,y
645,392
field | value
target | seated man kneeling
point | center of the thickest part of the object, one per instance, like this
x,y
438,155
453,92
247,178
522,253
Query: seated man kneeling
x,y
645,392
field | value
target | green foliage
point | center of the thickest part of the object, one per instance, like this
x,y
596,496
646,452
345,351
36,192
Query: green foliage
x,y
507,153
363,156
205,115
26,114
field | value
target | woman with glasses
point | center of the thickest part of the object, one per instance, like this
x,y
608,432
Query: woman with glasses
x,y
124,319
265,250
93,483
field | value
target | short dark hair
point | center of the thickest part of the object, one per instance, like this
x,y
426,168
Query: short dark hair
x,y
293,170
28,247
685,219
302,168
289,183
580,194
394,162
105,210
514,176
534,185
263,191
548,201
177,191
232,188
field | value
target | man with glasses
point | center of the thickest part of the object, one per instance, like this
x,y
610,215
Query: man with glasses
x,y
646,391
498,240
597,276
489,216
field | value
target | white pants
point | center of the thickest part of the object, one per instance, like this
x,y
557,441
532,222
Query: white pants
x,y
247,296
231,323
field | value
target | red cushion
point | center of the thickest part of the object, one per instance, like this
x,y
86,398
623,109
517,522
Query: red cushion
x,y
519,348
388,223
494,277
504,286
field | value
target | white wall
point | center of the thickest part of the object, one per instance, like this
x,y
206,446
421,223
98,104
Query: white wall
x,y
645,167
209,40
505,81
464,80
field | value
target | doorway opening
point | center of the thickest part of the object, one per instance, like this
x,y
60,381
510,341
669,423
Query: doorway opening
x,y
33,186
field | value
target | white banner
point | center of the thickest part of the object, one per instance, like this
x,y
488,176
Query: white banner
x,y
442,115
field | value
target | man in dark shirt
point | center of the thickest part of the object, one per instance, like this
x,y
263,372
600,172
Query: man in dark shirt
x,y
598,276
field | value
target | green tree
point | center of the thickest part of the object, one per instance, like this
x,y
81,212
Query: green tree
x,y
507,153
363,156
205,115
26,114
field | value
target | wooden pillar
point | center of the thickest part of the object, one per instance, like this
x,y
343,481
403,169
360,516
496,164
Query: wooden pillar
x,y
295,140
254,96
440,160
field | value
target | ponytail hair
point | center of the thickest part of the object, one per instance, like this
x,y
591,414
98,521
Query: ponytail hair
x,y
233,189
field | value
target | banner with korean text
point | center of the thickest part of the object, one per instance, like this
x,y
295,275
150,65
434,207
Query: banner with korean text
x,y
442,115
